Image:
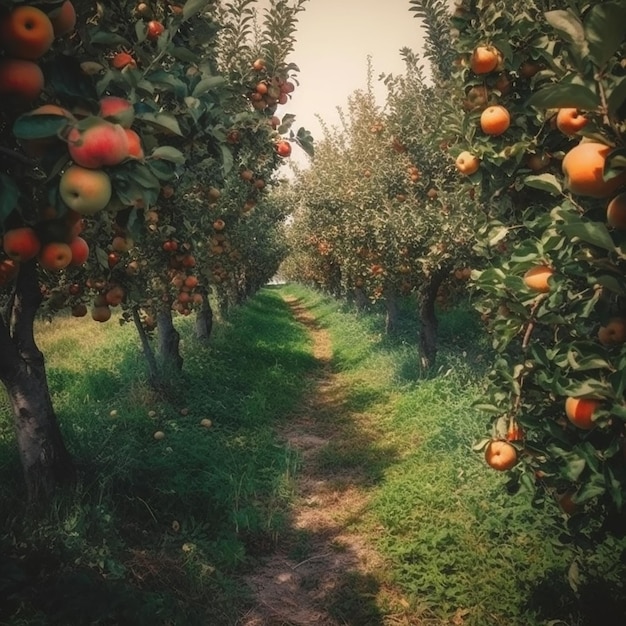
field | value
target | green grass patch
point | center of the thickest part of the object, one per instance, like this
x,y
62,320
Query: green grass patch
x,y
461,549
157,531
160,532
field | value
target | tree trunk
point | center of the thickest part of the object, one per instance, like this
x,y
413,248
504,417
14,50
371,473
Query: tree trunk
x,y
222,301
169,341
391,304
154,379
204,319
45,459
429,323
360,299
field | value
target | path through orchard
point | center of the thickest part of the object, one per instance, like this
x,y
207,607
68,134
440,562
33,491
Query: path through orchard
x,y
323,571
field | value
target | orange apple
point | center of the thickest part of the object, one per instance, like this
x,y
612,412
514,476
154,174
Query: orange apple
x,y
135,150
580,411
80,250
536,278
63,19
616,212
501,455
467,163
101,313
26,33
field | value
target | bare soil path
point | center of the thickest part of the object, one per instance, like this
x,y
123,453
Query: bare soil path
x,y
323,571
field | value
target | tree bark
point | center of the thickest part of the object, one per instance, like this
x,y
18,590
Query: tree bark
x,y
169,341
204,319
391,305
360,299
45,459
428,317
154,379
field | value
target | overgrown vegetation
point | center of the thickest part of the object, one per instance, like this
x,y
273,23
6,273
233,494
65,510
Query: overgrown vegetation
x,y
160,531
459,546
158,528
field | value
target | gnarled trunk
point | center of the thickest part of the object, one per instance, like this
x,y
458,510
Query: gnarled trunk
x,y
204,319
391,306
428,317
45,459
169,341
153,371
360,299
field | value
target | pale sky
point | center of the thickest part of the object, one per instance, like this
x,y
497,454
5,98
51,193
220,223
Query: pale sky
x,y
334,38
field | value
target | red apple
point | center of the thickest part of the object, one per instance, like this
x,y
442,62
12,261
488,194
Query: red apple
x,y
117,110
99,145
283,148
21,244
80,250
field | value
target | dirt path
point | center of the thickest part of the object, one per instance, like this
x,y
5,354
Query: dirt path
x,y
323,572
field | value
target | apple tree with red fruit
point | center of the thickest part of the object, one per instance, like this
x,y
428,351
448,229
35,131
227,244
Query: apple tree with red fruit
x,y
112,120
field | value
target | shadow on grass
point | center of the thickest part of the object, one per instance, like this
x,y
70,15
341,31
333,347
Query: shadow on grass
x,y
597,601
158,531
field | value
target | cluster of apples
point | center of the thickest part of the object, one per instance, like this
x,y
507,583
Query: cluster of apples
x,y
185,284
26,34
25,243
271,91
94,143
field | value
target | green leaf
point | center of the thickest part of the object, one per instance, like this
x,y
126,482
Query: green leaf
x,y
211,82
109,39
604,30
617,96
163,170
305,140
102,257
183,54
595,233
286,123
614,487
487,408
611,283
545,182
9,193
615,163
595,487
561,95
571,29
39,126
191,7
227,159
167,80
162,121
168,153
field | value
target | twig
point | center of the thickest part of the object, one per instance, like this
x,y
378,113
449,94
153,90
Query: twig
x,y
313,558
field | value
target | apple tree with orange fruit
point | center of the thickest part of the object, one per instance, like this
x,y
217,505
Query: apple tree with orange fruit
x,y
104,115
542,140
383,214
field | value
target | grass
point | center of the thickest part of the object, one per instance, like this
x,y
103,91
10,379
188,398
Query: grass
x,y
160,532
459,546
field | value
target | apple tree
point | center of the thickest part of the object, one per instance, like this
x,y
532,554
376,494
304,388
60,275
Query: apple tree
x,y
102,120
383,213
545,118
